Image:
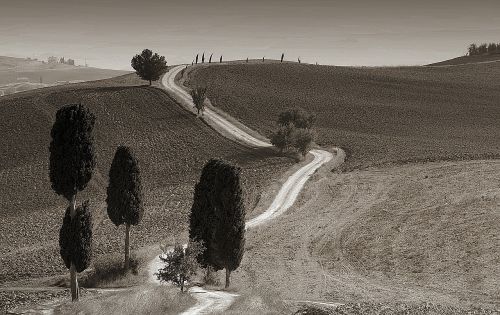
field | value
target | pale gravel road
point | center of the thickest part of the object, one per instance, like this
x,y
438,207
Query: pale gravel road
x,y
209,301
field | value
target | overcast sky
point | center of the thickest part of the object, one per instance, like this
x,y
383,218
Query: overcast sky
x,y
341,32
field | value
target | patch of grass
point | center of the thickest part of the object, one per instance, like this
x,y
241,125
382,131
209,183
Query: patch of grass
x,y
109,271
155,300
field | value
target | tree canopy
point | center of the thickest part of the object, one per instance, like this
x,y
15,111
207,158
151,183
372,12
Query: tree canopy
x,y
149,66
72,153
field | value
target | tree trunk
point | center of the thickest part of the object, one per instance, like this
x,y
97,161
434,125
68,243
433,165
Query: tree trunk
x,y
127,246
75,291
72,270
149,82
228,274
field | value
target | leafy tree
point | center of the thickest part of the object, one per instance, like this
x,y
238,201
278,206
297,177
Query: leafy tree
x,y
75,242
180,264
202,215
198,95
124,193
149,66
229,234
302,140
282,138
71,162
298,117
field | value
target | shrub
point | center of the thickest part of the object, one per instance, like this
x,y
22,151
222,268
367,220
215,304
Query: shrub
x,y
180,264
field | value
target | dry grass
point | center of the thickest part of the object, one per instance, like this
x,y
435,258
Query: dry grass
x,y
140,300
413,234
379,115
172,147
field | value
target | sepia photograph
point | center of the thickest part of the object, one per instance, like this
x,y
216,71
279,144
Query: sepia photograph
x,y
295,157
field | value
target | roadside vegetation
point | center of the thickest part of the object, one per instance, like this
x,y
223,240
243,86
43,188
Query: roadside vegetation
x,y
294,133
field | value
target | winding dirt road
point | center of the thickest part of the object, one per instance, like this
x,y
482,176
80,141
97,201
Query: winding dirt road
x,y
217,301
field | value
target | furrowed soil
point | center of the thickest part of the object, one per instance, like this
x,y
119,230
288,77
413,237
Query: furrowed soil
x,y
415,238
378,115
172,147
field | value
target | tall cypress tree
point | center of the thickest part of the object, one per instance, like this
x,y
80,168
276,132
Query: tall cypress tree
x,y
124,193
229,210
202,217
71,163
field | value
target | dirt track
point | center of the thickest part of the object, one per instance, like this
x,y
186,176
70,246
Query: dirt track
x,y
218,301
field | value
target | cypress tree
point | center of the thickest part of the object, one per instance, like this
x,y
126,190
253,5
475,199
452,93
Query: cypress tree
x,y
71,163
282,56
210,60
203,58
202,216
124,193
75,238
229,235
220,60
197,58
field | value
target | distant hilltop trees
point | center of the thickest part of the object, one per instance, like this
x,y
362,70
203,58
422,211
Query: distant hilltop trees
x,y
483,49
53,60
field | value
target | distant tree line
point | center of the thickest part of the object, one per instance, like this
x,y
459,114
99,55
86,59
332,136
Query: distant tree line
x,y
53,59
483,49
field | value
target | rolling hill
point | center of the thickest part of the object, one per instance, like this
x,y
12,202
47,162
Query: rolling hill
x,y
378,115
464,60
172,147
19,74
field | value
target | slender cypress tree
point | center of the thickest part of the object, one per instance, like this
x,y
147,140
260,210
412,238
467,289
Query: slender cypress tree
x,y
71,163
210,60
229,235
203,58
220,60
282,56
197,58
124,193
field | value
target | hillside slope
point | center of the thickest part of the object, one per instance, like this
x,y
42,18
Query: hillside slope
x,y
378,115
18,74
172,147
463,60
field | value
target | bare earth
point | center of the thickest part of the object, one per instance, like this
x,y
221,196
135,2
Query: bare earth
x,y
411,234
